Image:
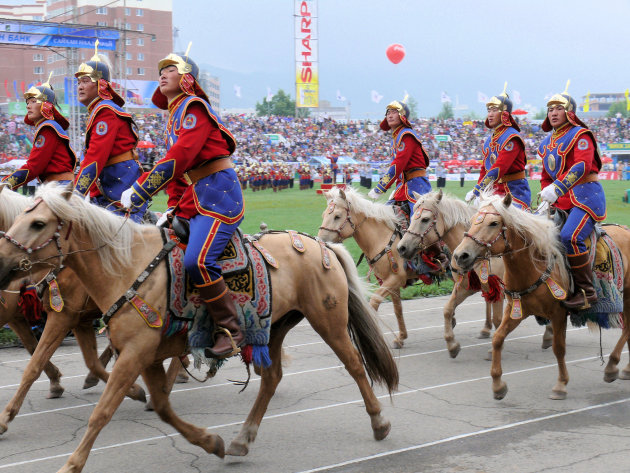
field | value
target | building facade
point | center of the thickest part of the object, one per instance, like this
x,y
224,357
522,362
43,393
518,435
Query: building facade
x,y
145,29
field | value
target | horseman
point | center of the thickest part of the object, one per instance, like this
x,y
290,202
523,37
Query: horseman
x,y
409,160
202,188
110,164
51,158
569,181
504,155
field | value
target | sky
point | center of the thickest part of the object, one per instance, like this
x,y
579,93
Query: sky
x,y
457,47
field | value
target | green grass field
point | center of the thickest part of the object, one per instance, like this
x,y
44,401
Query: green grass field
x,y
294,209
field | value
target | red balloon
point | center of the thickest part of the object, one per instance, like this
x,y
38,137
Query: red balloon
x,y
395,53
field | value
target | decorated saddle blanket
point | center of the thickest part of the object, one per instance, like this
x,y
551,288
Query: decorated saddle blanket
x,y
244,267
608,282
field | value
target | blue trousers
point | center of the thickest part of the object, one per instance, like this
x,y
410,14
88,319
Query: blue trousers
x,y
577,228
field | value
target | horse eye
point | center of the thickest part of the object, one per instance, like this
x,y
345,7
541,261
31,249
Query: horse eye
x,y
38,224
494,224
337,217
425,220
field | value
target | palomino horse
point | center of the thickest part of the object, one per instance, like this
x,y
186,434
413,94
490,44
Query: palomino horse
x,y
76,315
374,227
534,264
107,253
439,217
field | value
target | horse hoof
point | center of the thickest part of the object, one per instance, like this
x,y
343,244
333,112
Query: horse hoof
x,y
182,378
455,351
216,446
398,343
610,377
484,334
558,395
149,406
382,431
237,449
624,374
546,344
500,394
55,393
90,382
138,394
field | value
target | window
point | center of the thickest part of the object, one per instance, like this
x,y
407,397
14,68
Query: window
x,y
101,11
128,41
127,11
127,26
38,70
140,27
140,56
129,71
141,71
140,41
51,59
128,56
101,23
139,12
38,57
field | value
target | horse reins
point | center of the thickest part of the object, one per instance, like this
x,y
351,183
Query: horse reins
x,y
432,226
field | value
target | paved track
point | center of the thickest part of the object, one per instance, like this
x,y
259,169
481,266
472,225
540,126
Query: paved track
x,y
444,418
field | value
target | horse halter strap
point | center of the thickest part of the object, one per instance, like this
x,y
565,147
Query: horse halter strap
x,y
489,244
25,263
432,226
348,219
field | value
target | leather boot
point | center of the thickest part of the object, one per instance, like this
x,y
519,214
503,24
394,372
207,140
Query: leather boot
x,y
228,337
584,293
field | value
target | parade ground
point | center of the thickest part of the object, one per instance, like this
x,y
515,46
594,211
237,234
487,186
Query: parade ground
x,y
444,418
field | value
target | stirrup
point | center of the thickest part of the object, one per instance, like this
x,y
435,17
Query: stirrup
x,y
235,348
587,304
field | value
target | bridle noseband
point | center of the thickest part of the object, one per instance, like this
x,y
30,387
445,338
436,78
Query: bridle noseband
x,y
501,234
331,209
432,226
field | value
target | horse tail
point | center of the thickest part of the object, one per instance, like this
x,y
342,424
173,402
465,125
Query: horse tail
x,y
363,327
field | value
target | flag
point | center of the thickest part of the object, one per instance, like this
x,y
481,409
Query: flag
x,y
627,100
445,98
237,90
269,94
340,97
376,97
517,97
587,102
481,97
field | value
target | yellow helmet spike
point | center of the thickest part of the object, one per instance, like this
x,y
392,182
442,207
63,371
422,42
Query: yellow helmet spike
x,y
47,83
95,57
504,93
187,51
566,89
406,97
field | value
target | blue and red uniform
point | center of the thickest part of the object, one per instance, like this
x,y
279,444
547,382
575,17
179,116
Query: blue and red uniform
x,y
571,163
51,158
504,166
110,164
196,138
408,167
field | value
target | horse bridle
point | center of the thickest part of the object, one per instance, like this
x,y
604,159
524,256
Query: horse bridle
x,y
348,219
500,234
25,263
432,226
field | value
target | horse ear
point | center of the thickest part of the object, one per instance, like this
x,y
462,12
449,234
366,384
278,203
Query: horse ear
x,y
67,191
342,194
507,200
416,196
440,194
326,194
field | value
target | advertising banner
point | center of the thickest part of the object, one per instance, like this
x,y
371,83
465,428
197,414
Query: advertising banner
x,y
306,60
50,34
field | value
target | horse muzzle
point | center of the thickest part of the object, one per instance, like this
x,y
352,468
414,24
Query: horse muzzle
x,y
405,250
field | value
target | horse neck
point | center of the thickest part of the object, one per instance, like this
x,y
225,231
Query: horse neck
x,y
102,287
453,236
371,234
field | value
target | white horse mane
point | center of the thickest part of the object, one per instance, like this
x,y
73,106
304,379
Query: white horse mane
x,y
382,212
537,230
12,204
110,234
452,210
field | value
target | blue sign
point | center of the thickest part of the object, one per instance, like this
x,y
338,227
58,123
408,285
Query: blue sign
x,y
53,34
